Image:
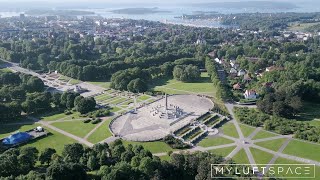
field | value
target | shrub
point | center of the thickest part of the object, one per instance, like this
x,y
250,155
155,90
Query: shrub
x,y
96,121
175,143
87,121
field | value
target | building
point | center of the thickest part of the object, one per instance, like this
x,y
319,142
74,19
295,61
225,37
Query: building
x,y
250,94
241,72
237,86
217,60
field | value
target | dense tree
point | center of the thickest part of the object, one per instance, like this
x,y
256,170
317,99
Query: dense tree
x,y
186,73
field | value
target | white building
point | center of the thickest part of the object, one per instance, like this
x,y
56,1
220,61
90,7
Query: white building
x,y
250,94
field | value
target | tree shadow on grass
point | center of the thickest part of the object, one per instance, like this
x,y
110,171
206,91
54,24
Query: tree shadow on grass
x,y
12,128
158,82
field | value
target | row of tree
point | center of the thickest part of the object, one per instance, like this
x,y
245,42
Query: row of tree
x,y
109,162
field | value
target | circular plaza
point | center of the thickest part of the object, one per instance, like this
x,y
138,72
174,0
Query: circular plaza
x,y
156,120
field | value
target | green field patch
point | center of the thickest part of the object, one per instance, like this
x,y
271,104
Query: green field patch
x,y
154,147
53,117
4,70
214,141
74,81
102,97
77,128
115,109
223,151
310,114
118,101
261,157
101,133
54,140
165,158
103,84
129,101
273,145
246,130
303,149
289,161
263,134
241,157
143,97
7,130
229,129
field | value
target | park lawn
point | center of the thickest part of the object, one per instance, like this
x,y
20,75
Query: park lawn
x,y
54,140
101,133
118,101
77,128
102,97
129,101
64,78
103,84
241,157
261,157
7,130
273,145
223,151
109,101
300,26
246,130
310,114
115,109
5,70
143,97
263,134
303,149
154,147
230,130
214,141
165,158
289,161
74,81
169,91
53,117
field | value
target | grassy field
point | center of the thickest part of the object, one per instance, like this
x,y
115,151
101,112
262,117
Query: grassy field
x,y
288,161
5,70
273,145
202,86
261,157
54,139
53,117
77,128
230,130
223,151
300,26
115,109
101,133
143,97
103,84
310,114
154,147
165,158
74,81
263,134
6,130
214,141
241,157
303,149
246,130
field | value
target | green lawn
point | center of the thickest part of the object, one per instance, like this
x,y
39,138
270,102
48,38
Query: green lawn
x,y
154,147
214,141
143,97
263,134
261,157
165,158
223,151
5,70
115,109
288,161
202,86
55,140
6,130
246,130
74,81
77,128
53,117
103,84
101,133
273,145
102,97
241,157
118,101
303,149
230,130
310,114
